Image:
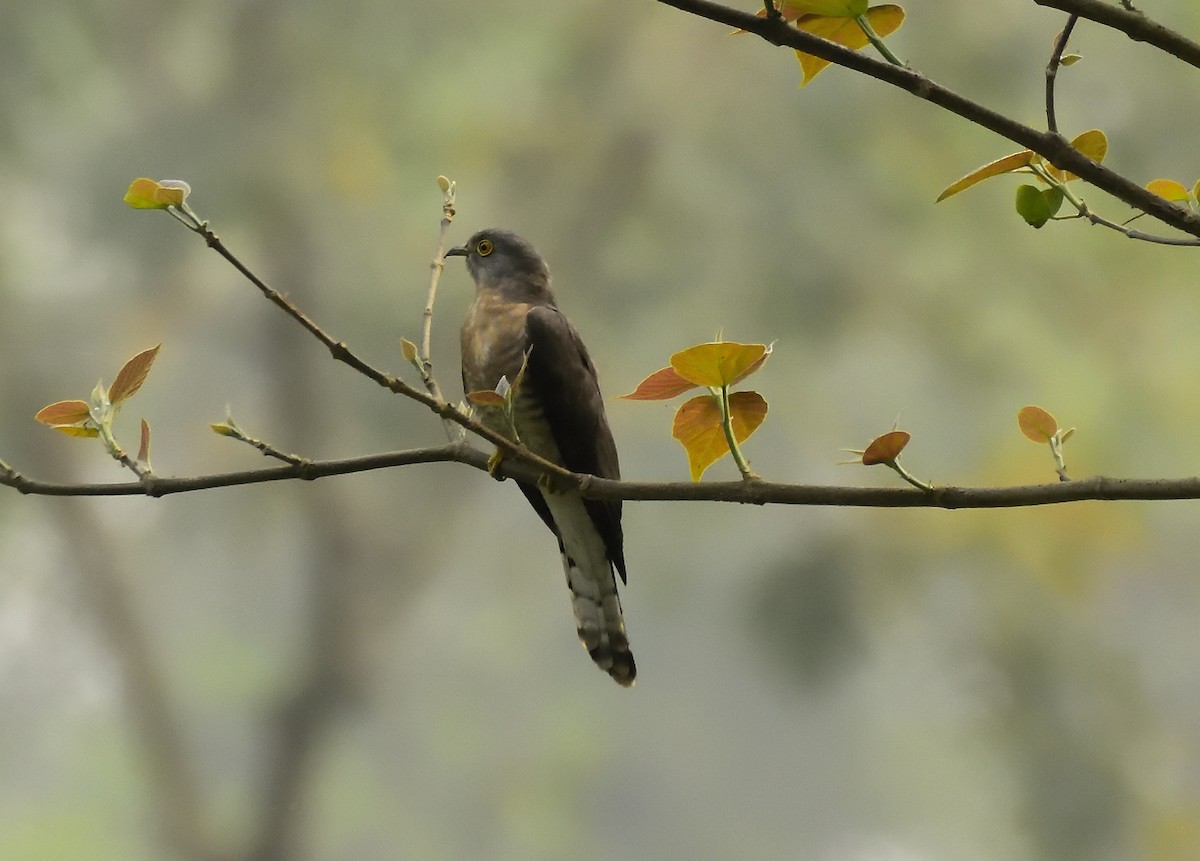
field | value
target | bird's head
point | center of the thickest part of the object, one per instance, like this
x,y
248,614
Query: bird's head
x,y
502,260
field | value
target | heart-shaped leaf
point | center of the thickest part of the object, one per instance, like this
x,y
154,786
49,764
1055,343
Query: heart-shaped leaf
x,y
699,430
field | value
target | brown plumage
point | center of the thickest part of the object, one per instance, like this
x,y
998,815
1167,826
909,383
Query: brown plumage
x,y
560,416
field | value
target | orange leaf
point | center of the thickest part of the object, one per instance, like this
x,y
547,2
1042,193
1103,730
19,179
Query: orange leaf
x,y
748,410
132,375
884,20
1037,424
698,427
64,413
720,363
662,385
1007,164
885,448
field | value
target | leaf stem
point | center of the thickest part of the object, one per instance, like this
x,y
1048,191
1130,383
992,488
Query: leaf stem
x,y
877,41
743,465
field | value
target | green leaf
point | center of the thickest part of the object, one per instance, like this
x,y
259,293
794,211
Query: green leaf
x,y
1036,205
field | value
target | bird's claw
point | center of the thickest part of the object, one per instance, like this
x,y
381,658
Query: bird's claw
x,y
547,483
493,465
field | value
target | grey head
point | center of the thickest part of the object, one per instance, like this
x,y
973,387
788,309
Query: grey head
x,y
501,260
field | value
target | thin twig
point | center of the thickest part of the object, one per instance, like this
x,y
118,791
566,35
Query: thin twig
x,y
1060,45
436,268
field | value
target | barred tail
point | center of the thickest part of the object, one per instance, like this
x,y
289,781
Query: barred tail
x,y
599,620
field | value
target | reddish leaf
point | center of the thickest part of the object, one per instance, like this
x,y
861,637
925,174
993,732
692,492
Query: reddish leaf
x,y
486,398
662,385
885,448
1037,424
64,413
144,447
132,375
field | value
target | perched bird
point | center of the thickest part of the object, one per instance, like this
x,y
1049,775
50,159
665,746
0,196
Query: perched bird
x,y
558,414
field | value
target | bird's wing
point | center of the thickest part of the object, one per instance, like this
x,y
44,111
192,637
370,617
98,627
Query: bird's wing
x,y
563,379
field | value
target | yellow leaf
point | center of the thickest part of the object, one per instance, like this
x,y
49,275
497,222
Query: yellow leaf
x,y
64,413
830,8
698,427
885,448
172,192
78,430
143,194
662,385
721,363
1091,143
1173,191
408,349
1037,424
748,410
791,11
1007,164
132,375
845,31
150,194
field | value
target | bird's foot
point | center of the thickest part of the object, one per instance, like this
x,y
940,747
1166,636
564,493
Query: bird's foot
x,y
547,484
493,465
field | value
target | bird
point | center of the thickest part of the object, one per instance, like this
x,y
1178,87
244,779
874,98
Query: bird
x,y
514,331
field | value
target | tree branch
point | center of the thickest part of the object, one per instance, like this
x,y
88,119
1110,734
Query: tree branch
x,y
1135,25
1053,147
753,492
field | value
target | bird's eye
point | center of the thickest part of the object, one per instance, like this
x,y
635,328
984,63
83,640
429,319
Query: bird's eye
x,y
484,247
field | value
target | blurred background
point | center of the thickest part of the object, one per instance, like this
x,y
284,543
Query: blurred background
x,y
384,666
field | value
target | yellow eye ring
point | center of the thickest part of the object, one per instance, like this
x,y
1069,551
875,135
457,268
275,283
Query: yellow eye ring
x,y
484,247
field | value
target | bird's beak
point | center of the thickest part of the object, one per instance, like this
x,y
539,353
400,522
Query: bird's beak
x,y
457,251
